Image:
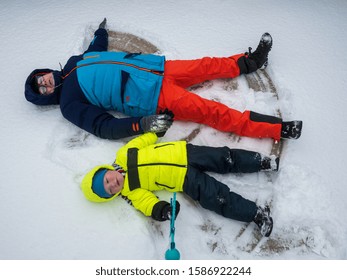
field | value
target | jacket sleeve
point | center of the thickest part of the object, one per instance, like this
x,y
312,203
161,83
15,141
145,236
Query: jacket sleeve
x,y
143,200
97,121
99,42
142,141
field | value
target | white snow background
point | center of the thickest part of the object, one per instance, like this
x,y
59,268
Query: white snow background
x,y
43,213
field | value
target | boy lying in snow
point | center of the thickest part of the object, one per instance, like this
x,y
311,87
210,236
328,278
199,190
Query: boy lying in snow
x,y
142,166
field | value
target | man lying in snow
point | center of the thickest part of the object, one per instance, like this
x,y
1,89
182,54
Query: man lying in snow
x,y
144,87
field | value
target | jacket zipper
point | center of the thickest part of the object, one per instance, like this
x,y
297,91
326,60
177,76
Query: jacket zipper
x,y
165,186
159,73
159,146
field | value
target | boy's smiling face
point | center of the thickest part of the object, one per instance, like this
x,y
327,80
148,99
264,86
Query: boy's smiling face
x,y
113,182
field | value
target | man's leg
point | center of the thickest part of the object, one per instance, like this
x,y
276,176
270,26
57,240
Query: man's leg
x,y
188,106
186,73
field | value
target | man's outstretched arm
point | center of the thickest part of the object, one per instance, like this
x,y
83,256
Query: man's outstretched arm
x,y
100,40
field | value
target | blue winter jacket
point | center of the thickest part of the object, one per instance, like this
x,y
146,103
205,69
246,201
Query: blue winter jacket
x,y
98,81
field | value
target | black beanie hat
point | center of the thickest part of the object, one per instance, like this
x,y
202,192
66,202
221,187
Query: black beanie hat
x,y
31,92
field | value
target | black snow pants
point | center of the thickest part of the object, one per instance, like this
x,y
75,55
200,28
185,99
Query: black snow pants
x,y
212,194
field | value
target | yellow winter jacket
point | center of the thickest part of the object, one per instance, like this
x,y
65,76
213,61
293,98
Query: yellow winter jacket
x,y
149,167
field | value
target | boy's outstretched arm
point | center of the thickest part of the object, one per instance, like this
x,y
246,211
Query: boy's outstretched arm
x,y
149,204
142,141
143,200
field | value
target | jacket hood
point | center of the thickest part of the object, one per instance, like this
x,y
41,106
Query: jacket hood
x,y
87,184
31,93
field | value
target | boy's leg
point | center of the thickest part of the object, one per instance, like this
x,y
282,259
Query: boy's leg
x,y
224,160
188,106
216,196
186,73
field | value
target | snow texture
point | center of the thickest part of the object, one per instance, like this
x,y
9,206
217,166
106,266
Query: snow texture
x,y
42,210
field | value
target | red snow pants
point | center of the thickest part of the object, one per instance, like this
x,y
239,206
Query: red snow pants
x,y
188,106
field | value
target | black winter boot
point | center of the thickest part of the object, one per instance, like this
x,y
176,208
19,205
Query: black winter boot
x,y
291,130
264,221
260,56
253,61
270,163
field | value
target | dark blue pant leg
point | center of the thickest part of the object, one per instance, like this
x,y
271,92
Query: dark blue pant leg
x,y
223,160
216,196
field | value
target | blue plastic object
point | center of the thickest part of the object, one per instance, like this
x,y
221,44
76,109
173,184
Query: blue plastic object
x,y
172,253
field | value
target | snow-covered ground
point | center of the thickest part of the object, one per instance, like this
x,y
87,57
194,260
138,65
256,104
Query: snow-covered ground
x,y
43,214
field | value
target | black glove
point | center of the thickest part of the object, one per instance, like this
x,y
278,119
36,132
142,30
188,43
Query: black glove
x,y
166,212
167,112
162,211
103,24
156,123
